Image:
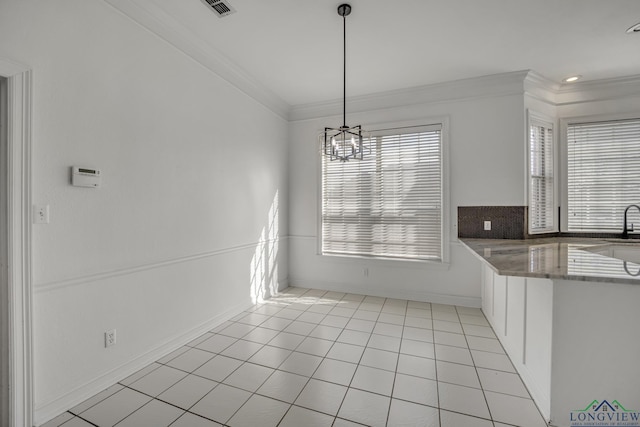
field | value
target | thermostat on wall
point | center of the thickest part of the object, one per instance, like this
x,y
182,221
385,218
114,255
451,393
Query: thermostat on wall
x,y
85,177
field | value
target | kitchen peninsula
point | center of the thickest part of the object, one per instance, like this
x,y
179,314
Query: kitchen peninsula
x,y
567,311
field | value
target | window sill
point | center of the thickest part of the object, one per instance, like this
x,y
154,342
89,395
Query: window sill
x,y
385,262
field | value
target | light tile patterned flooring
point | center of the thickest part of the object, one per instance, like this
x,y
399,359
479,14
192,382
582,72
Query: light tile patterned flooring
x,y
310,358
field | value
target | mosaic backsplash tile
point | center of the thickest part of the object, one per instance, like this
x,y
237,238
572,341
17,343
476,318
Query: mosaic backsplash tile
x,y
507,222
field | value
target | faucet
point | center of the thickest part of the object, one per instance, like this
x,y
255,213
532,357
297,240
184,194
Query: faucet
x,y
625,230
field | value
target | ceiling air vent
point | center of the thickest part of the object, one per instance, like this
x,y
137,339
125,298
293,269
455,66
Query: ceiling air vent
x,y
222,8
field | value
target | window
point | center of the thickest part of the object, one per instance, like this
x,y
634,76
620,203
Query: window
x,y
603,173
541,185
389,205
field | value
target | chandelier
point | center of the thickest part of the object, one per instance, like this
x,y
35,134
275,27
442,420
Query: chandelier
x,y
344,143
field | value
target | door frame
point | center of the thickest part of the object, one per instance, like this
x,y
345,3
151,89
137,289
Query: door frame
x,y
19,103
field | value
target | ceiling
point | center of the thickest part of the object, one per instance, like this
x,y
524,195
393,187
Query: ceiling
x,y
293,48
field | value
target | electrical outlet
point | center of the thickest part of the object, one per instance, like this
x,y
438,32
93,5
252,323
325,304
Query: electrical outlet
x,y
110,338
487,225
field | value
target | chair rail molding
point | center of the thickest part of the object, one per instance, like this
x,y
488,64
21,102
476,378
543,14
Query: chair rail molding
x,y
19,102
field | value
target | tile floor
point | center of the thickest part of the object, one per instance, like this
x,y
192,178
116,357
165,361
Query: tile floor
x,y
315,358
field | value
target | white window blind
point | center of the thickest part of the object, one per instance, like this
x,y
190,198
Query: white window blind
x,y
541,197
603,173
388,205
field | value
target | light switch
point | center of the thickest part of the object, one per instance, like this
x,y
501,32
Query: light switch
x,y
41,214
487,225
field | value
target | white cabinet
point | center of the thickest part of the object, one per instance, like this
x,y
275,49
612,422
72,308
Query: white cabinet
x,y
520,311
572,342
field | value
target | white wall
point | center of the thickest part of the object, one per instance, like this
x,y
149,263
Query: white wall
x,y
486,158
194,194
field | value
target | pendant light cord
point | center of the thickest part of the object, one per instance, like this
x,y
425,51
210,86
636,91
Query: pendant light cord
x,y
344,71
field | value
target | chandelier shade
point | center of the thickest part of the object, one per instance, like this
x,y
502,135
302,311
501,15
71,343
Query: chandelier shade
x,y
344,143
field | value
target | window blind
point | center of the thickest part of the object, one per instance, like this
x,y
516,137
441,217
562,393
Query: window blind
x,y
388,205
603,173
541,198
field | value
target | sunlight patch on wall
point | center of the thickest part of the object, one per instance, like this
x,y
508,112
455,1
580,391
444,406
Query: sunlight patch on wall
x,y
264,263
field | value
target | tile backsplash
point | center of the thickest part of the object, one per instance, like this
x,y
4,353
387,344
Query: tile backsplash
x,y
507,222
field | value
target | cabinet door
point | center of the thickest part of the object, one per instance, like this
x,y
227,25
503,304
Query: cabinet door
x,y
514,340
499,322
487,292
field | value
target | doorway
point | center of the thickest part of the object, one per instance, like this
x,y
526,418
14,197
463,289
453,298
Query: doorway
x,y
16,371
4,271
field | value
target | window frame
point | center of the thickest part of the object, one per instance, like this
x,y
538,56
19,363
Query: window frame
x,y
443,121
564,158
537,119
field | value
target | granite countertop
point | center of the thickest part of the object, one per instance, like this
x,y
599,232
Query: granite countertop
x,y
566,258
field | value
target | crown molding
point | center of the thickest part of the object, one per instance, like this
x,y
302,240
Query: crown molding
x,y
599,90
530,83
527,82
160,23
539,87
477,87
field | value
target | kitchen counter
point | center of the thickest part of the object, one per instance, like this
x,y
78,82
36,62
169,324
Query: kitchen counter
x,y
580,259
566,313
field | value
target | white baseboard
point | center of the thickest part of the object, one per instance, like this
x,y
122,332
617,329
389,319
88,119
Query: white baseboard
x,y
55,407
283,284
399,294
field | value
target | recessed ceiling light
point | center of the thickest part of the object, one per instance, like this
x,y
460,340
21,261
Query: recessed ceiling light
x,y
634,29
571,79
